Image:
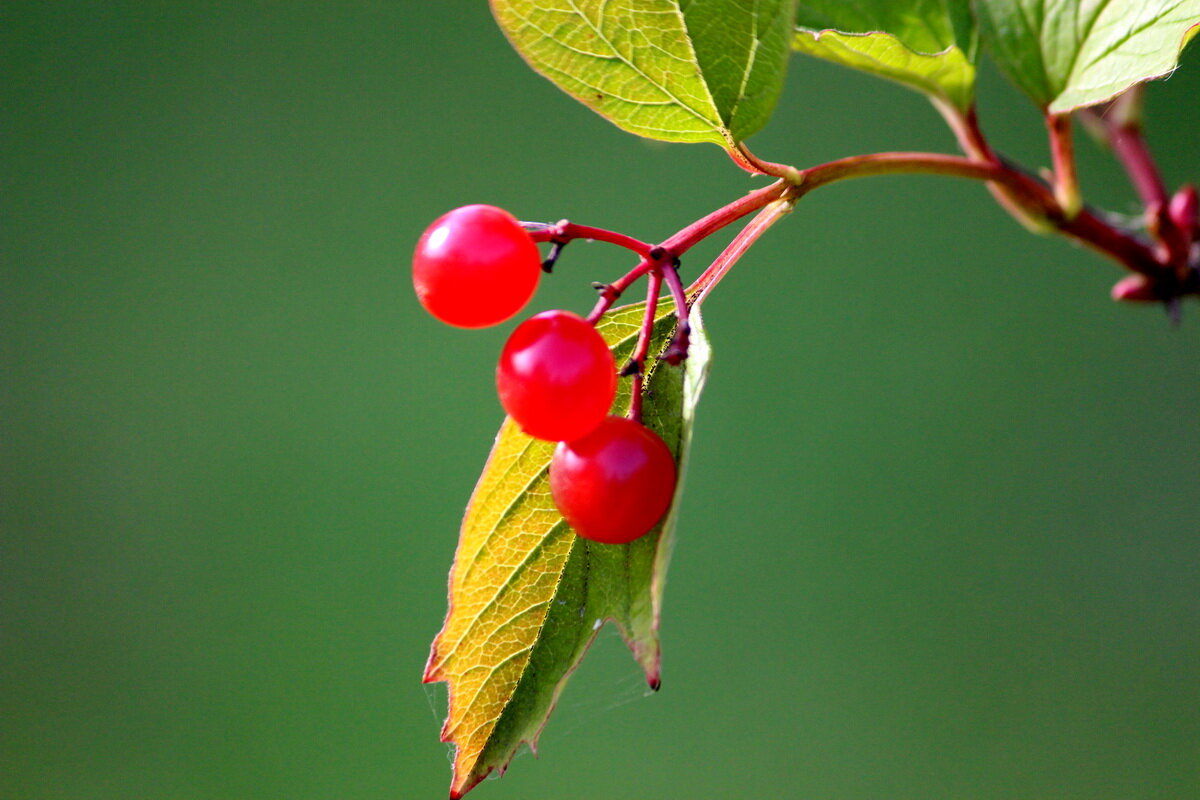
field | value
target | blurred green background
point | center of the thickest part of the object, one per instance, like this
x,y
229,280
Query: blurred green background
x,y
940,533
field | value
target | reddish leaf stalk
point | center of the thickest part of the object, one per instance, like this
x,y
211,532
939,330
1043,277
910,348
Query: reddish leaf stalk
x,y
755,228
742,156
1088,227
965,126
1129,146
1119,125
1062,153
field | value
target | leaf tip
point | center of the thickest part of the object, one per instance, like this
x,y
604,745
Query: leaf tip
x,y
460,786
432,672
649,655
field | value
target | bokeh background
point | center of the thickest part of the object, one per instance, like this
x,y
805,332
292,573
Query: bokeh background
x,y
940,532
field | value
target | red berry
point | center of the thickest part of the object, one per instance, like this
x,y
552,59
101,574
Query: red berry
x,y
614,484
475,266
556,376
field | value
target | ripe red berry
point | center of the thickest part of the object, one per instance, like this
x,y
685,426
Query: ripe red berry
x,y
556,376
614,484
475,266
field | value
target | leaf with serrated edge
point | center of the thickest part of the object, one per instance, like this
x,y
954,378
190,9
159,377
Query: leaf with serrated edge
x,y
1077,53
675,70
927,45
527,596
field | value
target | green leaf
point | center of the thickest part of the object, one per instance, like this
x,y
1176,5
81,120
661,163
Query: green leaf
x,y
676,70
927,45
1075,53
527,596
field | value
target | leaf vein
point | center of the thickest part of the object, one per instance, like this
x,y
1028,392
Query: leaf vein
x,y
628,62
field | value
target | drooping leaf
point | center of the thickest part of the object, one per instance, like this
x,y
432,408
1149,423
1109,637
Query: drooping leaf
x,y
1075,53
927,45
676,70
527,596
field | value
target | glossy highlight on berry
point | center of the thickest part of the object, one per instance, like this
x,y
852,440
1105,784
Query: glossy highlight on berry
x,y
475,266
615,484
556,377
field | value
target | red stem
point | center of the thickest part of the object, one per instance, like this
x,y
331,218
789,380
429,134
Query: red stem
x,y
1102,237
865,166
755,228
567,231
965,125
1120,123
1062,153
1026,197
677,294
678,349
1087,227
1130,148
610,292
701,229
654,283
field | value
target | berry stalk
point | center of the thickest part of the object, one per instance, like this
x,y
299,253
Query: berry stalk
x,y
637,363
610,292
1119,125
563,231
677,351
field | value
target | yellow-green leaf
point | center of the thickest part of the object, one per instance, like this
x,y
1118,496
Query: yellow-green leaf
x,y
948,75
527,596
676,70
1075,53
927,45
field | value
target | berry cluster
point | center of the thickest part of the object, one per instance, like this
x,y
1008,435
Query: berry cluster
x,y
611,477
